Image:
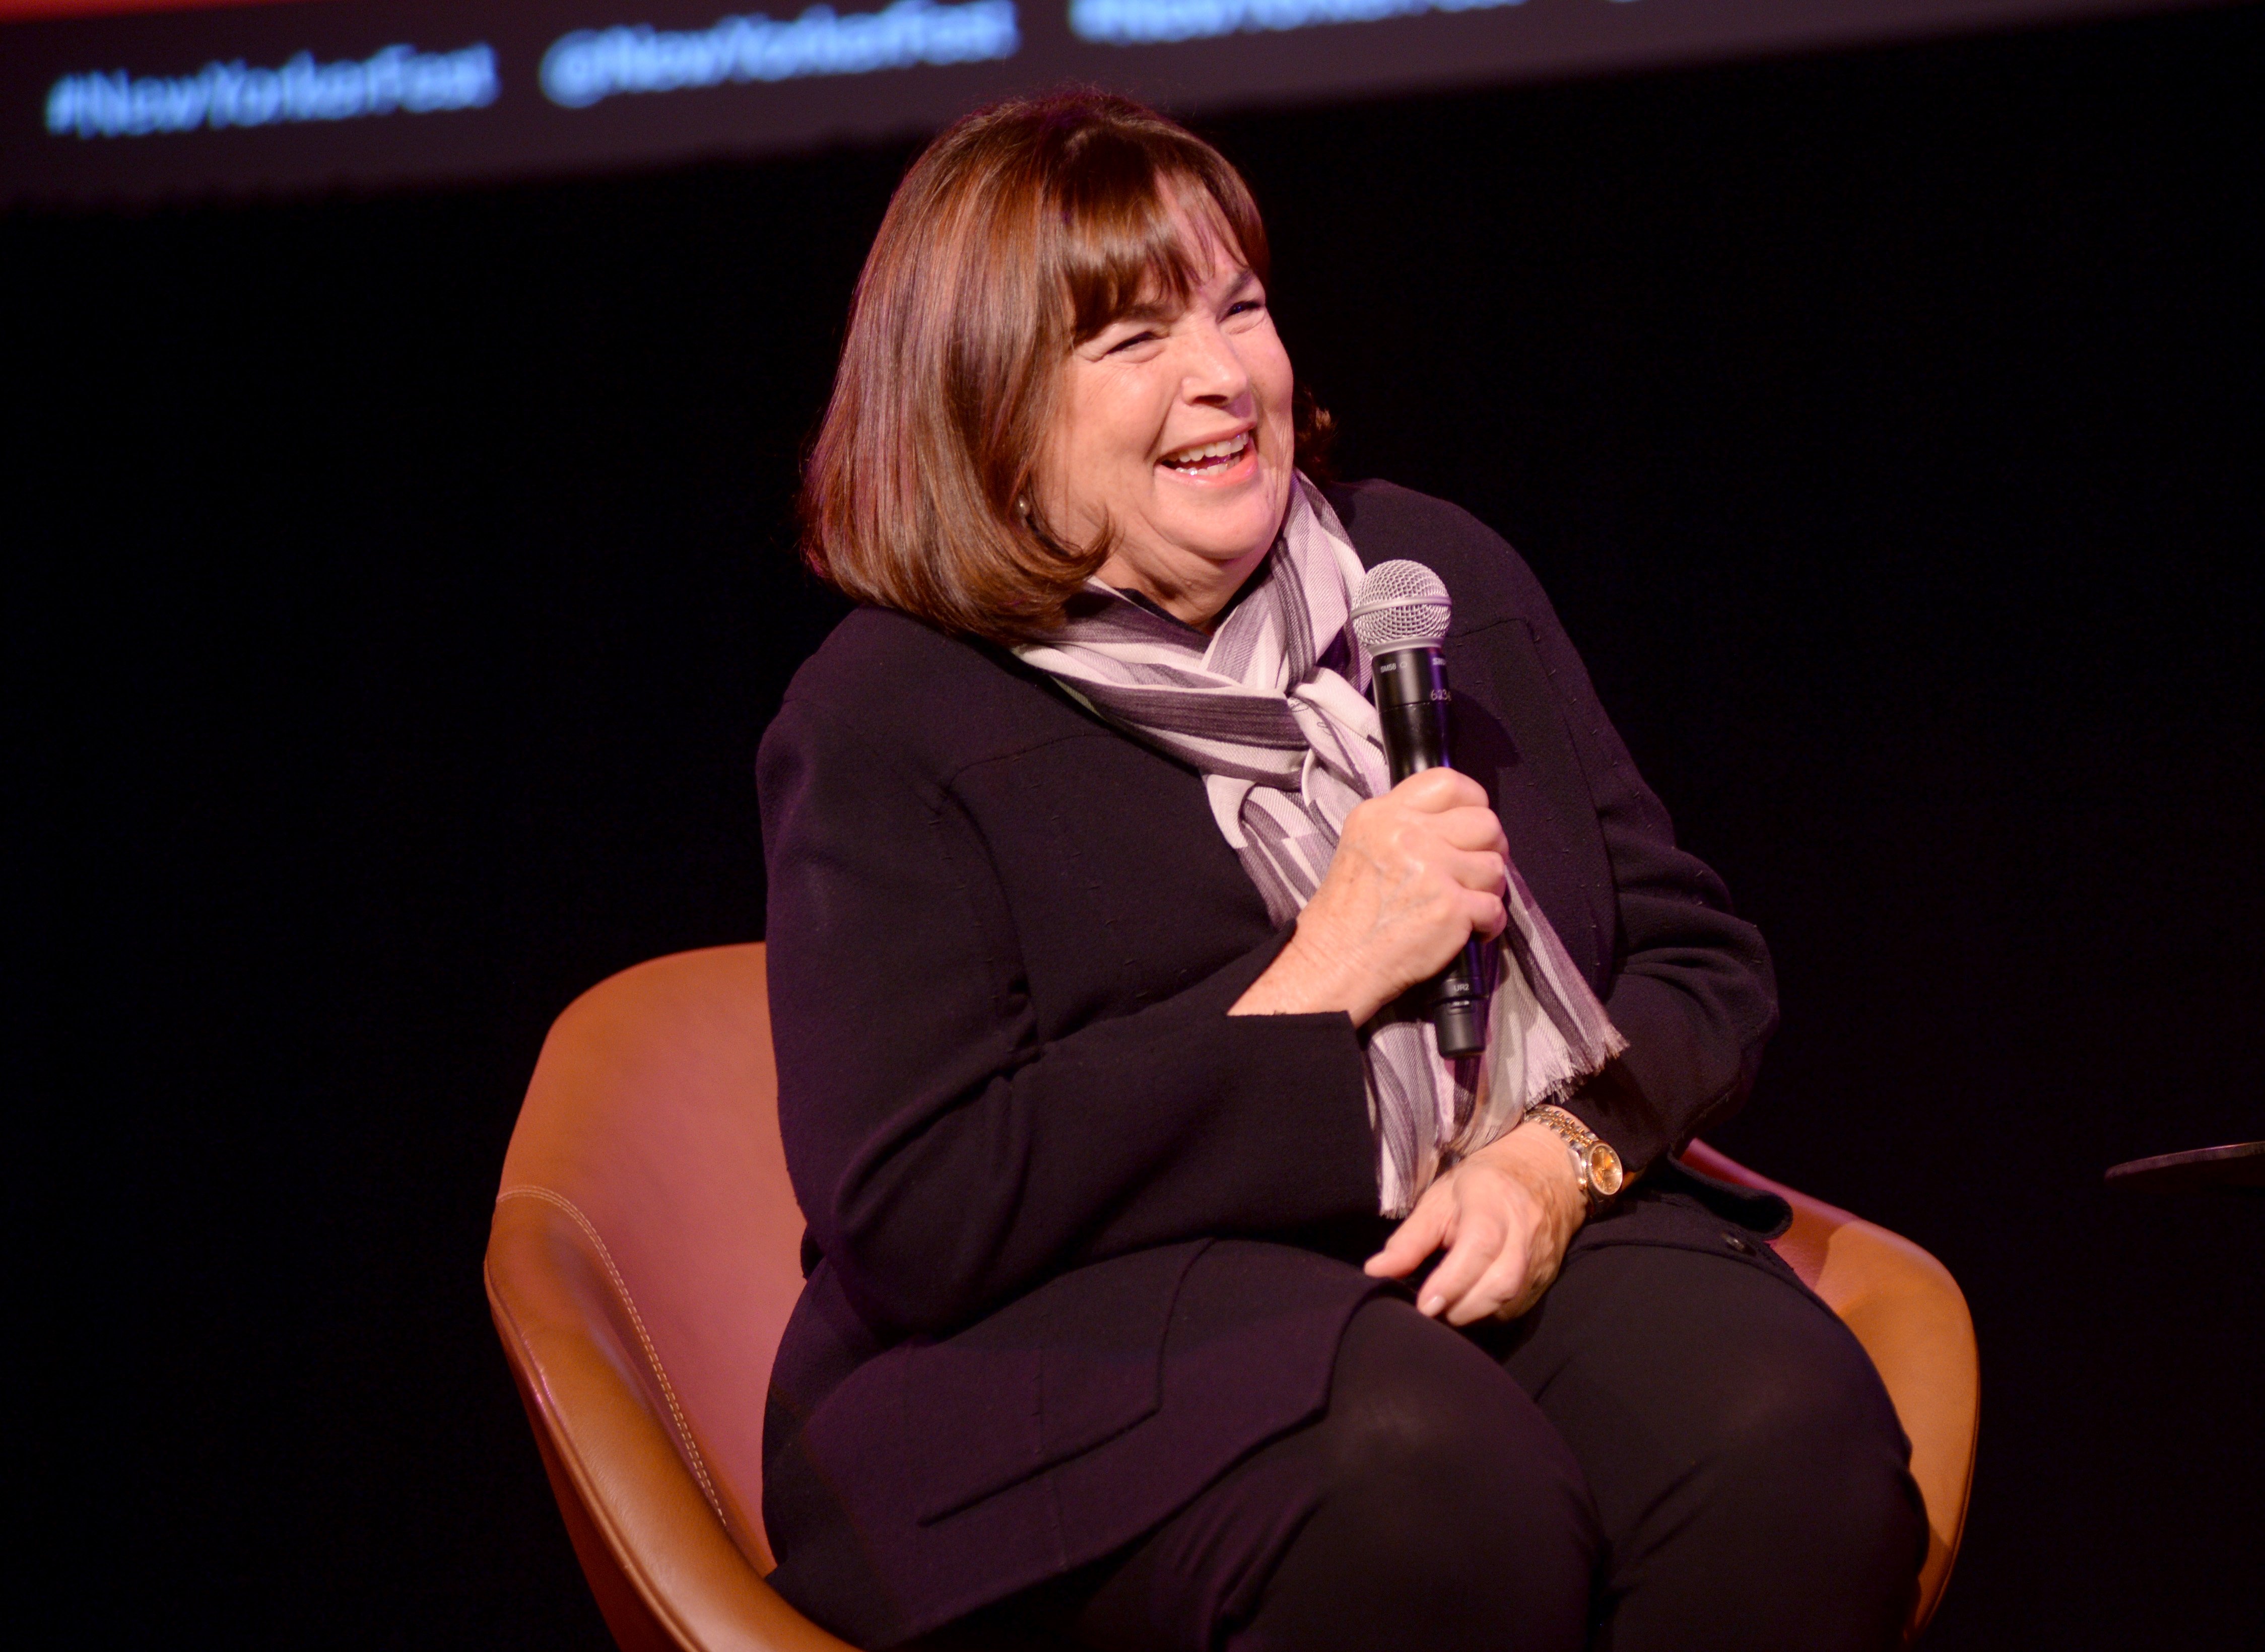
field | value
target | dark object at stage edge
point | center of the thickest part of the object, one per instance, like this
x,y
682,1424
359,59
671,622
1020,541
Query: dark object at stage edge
x,y
2236,1167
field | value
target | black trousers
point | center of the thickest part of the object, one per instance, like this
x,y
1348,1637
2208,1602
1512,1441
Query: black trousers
x,y
1680,1448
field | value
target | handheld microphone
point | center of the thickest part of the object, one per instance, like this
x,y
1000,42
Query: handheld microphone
x,y
1399,615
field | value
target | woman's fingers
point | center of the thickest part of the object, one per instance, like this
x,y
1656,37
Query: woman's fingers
x,y
1416,873
1470,828
1480,1238
1416,1237
1436,790
1503,1245
1483,869
1467,826
1540,1274
1506,1284
1477,886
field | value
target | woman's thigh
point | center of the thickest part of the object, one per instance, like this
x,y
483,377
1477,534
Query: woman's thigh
x,y
1747,1466
1431,1505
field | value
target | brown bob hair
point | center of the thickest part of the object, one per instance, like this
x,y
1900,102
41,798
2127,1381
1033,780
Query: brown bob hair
x,y
1021,231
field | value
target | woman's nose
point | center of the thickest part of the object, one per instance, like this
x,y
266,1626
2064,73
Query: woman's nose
x,y
1215,372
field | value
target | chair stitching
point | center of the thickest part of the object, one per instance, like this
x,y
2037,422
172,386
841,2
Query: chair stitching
x,y
644,1338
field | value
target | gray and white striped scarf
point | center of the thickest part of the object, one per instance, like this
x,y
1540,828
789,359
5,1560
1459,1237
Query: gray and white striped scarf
x,y
1273,710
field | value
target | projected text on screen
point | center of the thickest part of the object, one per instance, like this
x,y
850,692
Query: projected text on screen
x,y
590,64
223,95
398,78
1150,22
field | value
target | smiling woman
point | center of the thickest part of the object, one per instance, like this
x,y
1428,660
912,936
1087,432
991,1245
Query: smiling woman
x,y
1172,445
1092,911
941,483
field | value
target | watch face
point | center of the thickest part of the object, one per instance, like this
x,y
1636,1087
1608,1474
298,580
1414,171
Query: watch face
x,y
1604,1172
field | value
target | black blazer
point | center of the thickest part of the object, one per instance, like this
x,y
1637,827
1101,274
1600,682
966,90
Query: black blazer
x,y
1079,1239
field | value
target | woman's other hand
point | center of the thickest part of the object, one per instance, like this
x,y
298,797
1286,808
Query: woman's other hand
x,y
1504,1215
1416,872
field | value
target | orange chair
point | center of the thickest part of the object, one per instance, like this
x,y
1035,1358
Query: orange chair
x,y
646,1254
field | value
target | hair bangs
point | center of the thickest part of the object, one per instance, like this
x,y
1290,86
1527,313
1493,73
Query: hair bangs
x,y
1125,201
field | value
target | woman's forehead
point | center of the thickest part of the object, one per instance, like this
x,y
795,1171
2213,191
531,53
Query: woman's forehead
x,y
1199,229
1190,250
1156,299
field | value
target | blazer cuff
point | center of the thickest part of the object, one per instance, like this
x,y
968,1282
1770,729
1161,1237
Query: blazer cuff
x,y
1670,1083
1315,1057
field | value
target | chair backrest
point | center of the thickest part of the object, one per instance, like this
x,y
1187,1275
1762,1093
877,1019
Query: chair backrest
x,y
1912,1319
641,1266
645,1256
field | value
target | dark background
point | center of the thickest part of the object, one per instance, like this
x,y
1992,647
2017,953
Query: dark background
x,y
400,587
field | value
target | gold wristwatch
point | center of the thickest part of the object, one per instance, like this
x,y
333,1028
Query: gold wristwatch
x,y
1595,1163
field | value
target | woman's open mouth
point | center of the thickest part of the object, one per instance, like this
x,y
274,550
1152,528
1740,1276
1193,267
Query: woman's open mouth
x,y
1206,459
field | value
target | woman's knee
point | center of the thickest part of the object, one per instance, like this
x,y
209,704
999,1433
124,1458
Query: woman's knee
x,y
1797,1525
1747,1464
1449,1511
1420,1421
1814,1444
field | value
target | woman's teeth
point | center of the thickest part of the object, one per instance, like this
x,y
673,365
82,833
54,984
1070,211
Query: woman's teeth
x,y
1210,456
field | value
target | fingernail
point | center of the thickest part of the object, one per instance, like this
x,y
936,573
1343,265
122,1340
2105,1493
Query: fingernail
x,y
1430,1307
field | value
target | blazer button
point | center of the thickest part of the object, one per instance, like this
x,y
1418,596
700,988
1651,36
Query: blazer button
x,y
1739,1243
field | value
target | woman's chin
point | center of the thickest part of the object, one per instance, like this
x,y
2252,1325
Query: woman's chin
x,y
1225,517
1228,544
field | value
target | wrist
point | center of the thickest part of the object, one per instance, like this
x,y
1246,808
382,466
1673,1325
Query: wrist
x,y
1335,980
1306,978
1593,1163
1538,1156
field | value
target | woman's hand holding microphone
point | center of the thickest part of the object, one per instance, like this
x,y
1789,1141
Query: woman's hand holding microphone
x,y
1416,872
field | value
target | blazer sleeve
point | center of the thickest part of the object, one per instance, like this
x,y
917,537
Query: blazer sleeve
x,y
946,1156
1692,989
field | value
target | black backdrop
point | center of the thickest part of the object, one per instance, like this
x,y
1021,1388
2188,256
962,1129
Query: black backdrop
x,y
401,586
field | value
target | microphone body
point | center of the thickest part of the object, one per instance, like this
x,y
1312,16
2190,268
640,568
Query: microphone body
x,y
1411,703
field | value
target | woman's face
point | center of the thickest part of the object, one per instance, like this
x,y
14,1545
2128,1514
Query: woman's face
x,y
1175,427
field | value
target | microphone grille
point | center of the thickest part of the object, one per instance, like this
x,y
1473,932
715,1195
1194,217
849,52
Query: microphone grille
x,y
1400,605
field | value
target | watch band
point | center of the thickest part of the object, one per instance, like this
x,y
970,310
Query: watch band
x,y
1595,1163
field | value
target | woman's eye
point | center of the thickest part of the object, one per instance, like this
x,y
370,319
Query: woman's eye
x,y
1129,341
